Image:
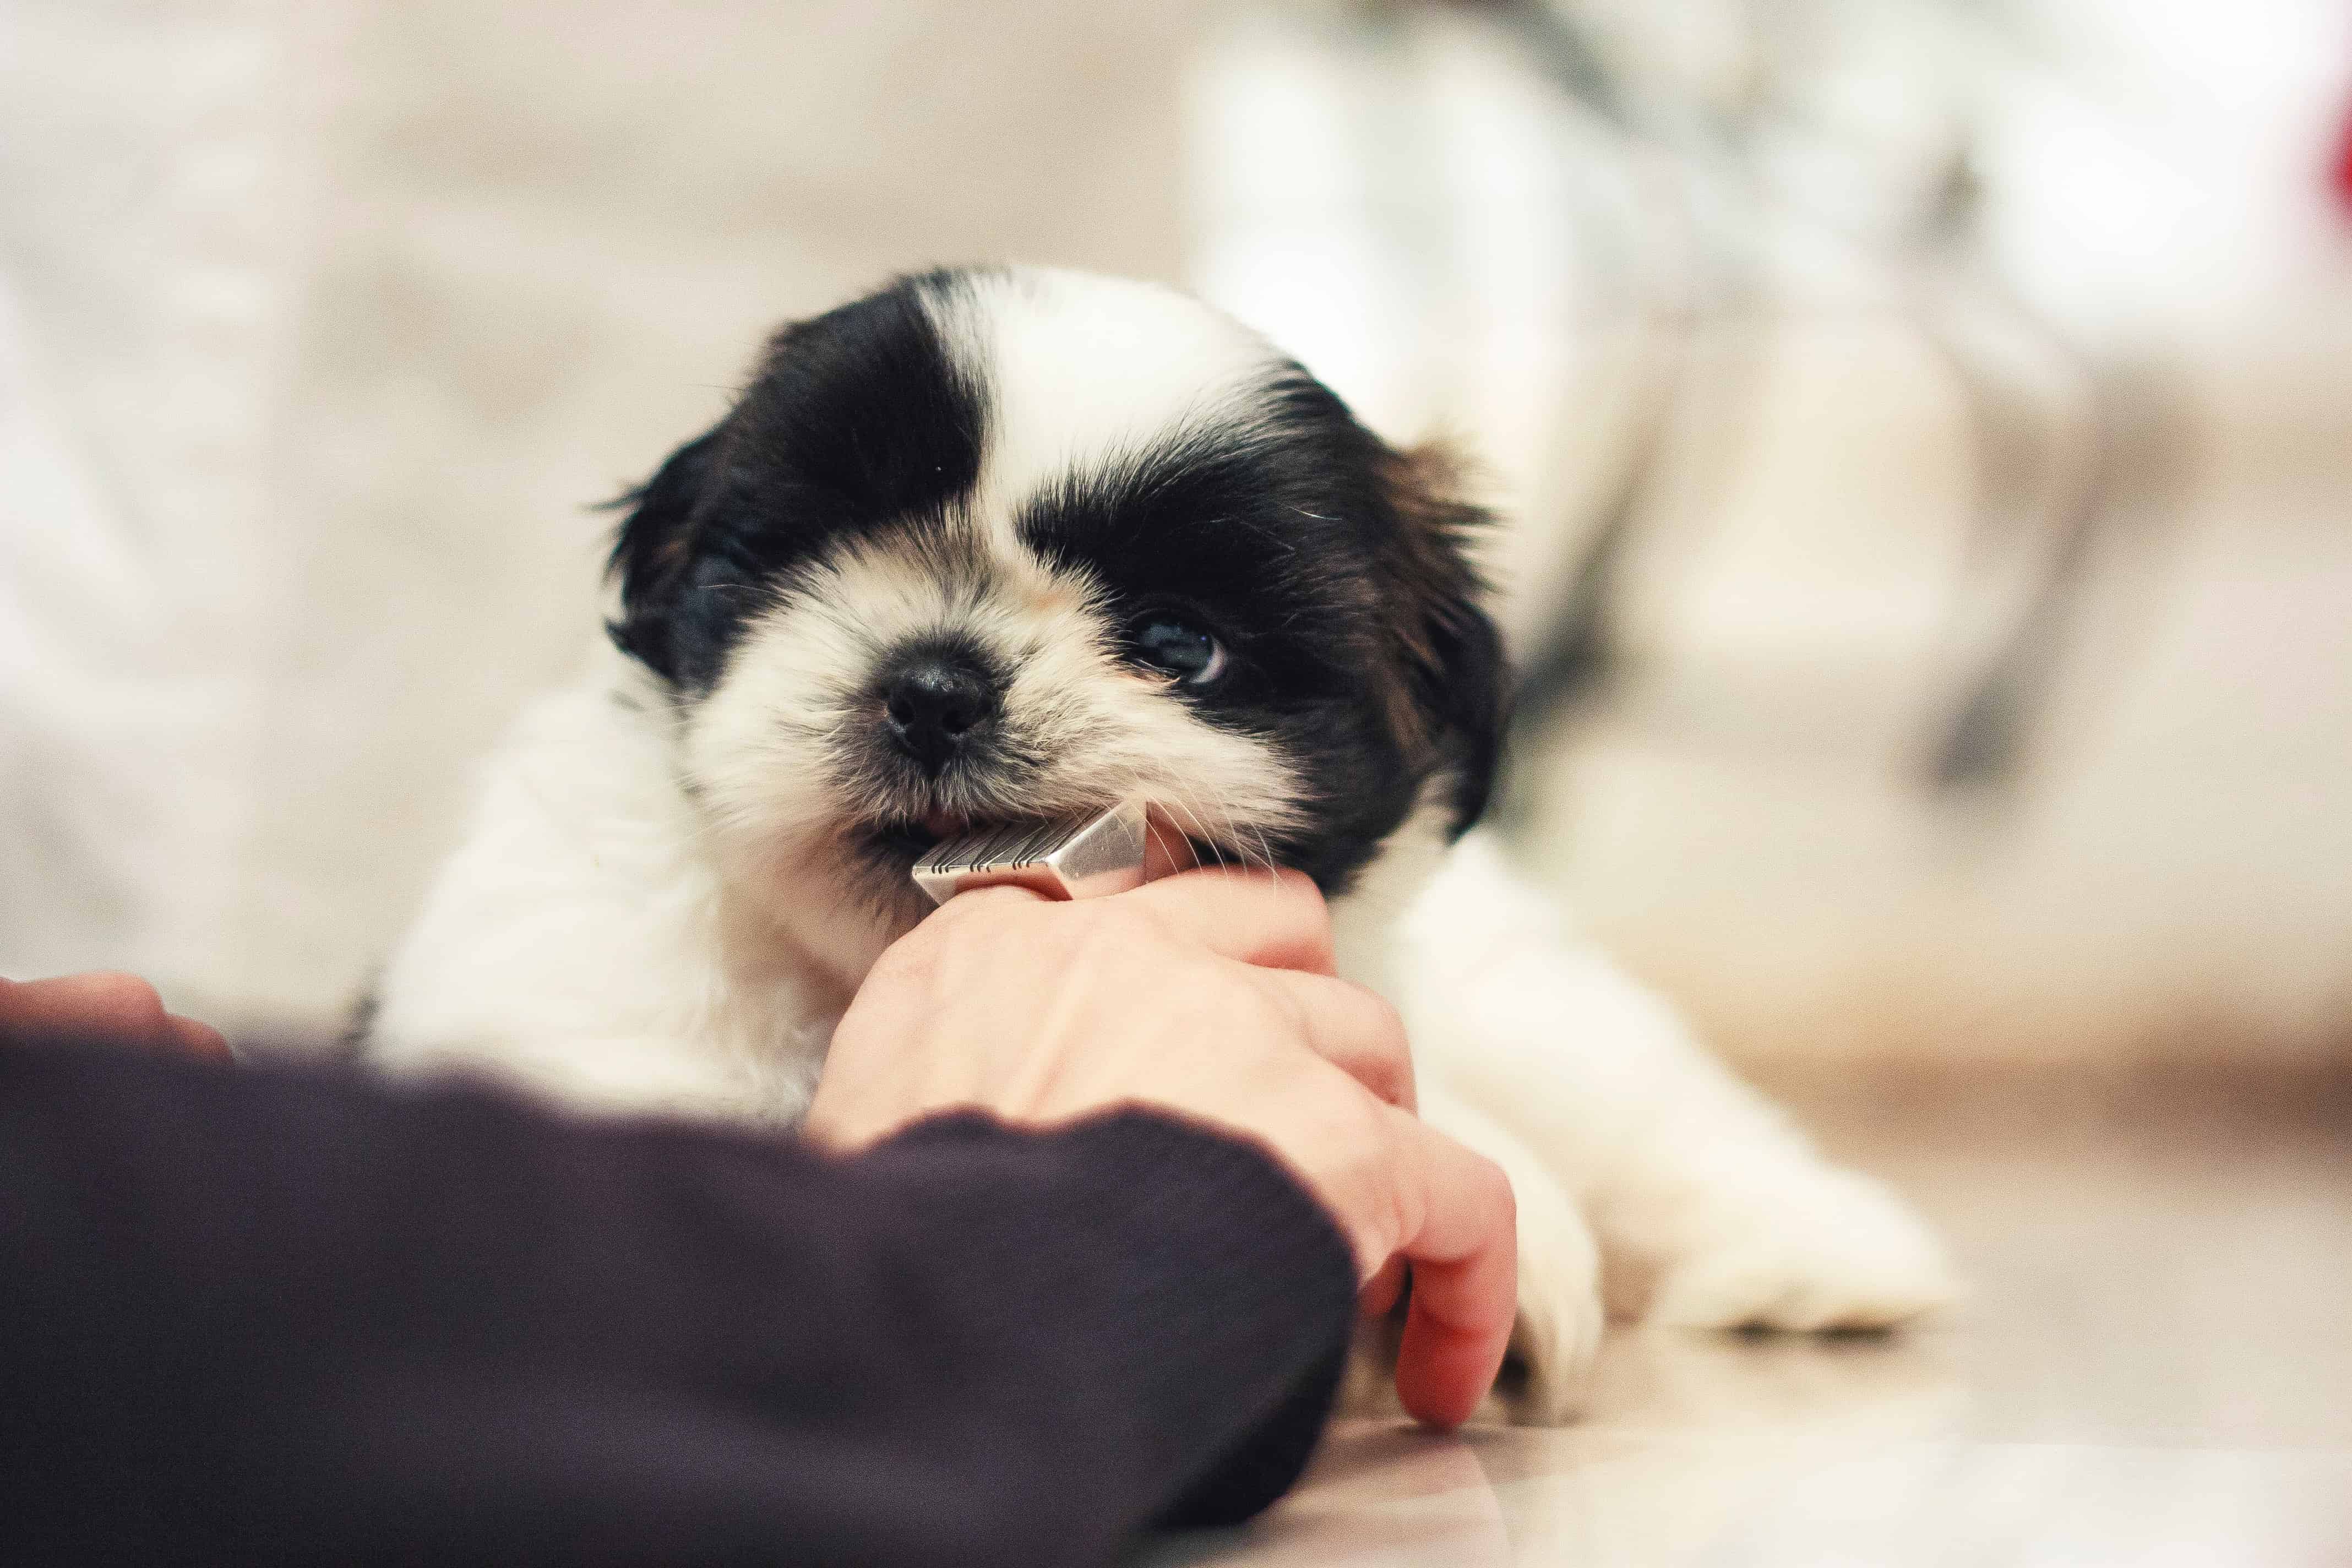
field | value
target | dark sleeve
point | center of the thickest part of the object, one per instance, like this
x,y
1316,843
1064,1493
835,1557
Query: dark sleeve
x,y
262,1316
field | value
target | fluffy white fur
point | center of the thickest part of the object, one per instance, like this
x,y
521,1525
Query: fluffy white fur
x,y
658,907
1083,369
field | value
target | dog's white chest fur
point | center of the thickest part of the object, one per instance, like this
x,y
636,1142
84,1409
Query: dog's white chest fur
x,y
585,941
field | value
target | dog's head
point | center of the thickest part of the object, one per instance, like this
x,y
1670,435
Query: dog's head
x,y
1001,544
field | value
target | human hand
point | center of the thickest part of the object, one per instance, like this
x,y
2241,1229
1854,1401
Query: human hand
x,y
1208,994
101,1009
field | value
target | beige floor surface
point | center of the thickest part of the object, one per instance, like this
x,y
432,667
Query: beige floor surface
x,y
2154,1367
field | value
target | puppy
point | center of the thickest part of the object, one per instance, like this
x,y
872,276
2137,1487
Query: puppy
x,y
994,545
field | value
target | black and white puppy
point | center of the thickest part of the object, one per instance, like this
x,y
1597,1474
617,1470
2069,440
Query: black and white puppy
x,y
1000,544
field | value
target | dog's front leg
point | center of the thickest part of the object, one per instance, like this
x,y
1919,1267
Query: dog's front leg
x,y
1710,1209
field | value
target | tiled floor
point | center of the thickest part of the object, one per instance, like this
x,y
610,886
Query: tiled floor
x,y
2155,1367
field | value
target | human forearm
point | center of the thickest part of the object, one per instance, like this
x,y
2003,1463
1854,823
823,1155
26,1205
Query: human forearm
x,y
290,1316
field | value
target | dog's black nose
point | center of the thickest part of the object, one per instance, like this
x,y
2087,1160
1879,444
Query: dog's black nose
x,y
933,703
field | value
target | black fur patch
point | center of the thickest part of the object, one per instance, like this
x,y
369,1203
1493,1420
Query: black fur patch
x,y
1457,679
855,418
1335,571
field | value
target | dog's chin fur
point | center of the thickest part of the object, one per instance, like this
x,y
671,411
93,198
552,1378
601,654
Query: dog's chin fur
x,y
681,869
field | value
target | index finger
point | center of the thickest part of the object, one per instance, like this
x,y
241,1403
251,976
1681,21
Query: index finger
x,y
1464,1250
1274,919
101,1008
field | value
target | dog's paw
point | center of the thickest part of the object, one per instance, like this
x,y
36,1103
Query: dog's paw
x,y
1823,1249
1546,1370
1560,1312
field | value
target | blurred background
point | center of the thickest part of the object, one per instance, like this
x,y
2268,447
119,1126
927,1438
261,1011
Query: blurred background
x,y
1923,427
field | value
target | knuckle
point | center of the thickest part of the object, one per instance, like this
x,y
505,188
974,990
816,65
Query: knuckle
x,y
1291,880
1500,1193
1242,1016
1312,911
128,998
1275,1000
1405,1206
1386,1023
1381,1032
1284,1010
1234,993
913,961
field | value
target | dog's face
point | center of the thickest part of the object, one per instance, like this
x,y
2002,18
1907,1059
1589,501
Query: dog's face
x,y
996,545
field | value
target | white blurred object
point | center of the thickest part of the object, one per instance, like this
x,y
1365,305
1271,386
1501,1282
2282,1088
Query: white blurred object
x,y
154,189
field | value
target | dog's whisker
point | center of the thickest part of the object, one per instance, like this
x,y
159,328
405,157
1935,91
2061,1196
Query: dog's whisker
x,y
1233,825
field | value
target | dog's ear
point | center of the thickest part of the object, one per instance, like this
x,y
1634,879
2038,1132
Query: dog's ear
x,y
1456,680
654,559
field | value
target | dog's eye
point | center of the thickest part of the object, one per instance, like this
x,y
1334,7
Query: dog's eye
x,y
1184,651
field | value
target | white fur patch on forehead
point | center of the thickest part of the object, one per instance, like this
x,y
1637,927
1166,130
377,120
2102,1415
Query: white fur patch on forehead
x,y
1077,369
